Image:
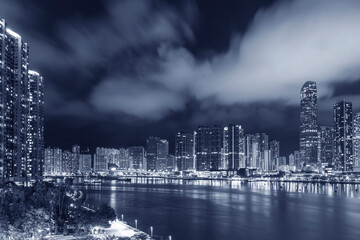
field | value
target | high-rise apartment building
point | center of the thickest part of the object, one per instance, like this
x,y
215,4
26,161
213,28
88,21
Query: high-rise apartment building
x,y
185,151
171,163
49,161
85,163
123,159
297,160
356,140
325,146
343,146
137,159
151,153
234,147
35,125
208,147
274,155
21,107
257,151
162,152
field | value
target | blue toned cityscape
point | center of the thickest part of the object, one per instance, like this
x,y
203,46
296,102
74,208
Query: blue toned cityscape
x,y
179,120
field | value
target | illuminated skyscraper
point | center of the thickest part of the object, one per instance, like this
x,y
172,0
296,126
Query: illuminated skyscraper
x,y
85,163
274,155
123,158
297,160
67,159
208,147
58,161
171,163
356,140
49,161
264,152
162,152
343,148
151,153
234,145
137,158
184,151
308,124
326,148
75,168
35,125
257,151
14,61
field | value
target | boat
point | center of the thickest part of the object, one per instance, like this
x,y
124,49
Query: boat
x,y
92,180
124,179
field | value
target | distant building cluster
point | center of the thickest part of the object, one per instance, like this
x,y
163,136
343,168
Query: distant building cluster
x,y
155,157
22,111
217,148
209,148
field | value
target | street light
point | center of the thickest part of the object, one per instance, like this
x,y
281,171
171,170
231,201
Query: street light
x,y
136,223
151,231
122,217
169,237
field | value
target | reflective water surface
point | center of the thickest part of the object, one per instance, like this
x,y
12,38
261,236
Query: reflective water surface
x,y
210,210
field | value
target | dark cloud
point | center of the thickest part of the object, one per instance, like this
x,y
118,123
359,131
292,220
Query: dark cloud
x,y
119,71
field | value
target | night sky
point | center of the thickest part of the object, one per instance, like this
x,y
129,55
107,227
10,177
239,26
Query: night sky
x,y
117,72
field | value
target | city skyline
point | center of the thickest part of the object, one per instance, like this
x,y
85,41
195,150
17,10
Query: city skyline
x,y
71,113
214,148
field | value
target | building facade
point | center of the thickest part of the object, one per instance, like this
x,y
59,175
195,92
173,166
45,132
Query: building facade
x,y
325,147
35,125
208,147
343,146
234,147
356,140
162,152
137,159
151,153
185,151
21,107
85,163
274,155
308,124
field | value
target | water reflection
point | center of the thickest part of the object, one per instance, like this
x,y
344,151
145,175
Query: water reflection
x,y
330,189
214,210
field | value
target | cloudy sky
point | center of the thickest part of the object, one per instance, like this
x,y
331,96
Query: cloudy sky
x,y
119,71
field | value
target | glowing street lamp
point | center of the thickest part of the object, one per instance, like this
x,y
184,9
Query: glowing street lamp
x,y
136,223
151,231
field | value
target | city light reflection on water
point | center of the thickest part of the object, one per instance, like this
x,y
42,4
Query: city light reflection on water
x,y
199,209
266,187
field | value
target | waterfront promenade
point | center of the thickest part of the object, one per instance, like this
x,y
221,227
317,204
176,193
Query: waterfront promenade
x,y
117,228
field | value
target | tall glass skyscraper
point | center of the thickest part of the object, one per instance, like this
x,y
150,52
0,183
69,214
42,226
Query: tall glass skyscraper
x,y
185,151
151,153
274,155
325,149
308,124
257,151
208,147
234,144
343,146
137,160
356,140
162,152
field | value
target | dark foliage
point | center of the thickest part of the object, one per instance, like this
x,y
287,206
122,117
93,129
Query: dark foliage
x,y
36,210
